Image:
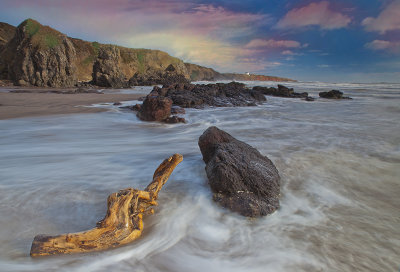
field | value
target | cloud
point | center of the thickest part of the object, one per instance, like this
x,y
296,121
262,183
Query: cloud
x,y
271,43
391,46
314,14
291,53
387,20
288,53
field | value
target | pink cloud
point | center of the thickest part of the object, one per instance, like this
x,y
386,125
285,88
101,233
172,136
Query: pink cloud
x,y
288,53
317,14
387,20
391,46
271,43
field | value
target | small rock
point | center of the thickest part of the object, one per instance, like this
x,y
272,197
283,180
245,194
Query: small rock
x,y
309,98
117,104
333,94
177,110
174,120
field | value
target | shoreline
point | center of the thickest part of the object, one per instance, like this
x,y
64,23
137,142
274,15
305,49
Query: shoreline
x,y
34,103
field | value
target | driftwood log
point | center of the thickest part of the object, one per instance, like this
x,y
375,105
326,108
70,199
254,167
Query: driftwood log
x,y
122,224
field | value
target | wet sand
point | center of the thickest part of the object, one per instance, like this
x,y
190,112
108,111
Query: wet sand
x,y
36,103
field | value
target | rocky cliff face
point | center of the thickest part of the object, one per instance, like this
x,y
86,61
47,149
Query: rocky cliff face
x,y
198,73
106,69
40,56
7,32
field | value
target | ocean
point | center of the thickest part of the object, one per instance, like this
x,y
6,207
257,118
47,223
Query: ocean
x,y
339,162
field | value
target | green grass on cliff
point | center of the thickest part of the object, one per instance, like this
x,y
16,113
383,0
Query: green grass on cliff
x,y
141,61
51,41
93,54
42,36
32,27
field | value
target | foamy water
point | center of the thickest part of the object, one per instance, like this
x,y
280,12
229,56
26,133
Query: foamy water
x,y
339,162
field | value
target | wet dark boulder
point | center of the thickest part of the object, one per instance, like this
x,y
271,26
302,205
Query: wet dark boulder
x,y
281,91
155,108
333,94
241,179
309,98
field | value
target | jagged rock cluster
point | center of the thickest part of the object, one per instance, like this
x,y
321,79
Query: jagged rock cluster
x,y
232,94
171,99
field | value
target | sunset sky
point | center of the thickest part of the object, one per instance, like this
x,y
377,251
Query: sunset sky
x,y
334,41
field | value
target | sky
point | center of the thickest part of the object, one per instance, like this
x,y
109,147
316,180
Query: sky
x,y
329,41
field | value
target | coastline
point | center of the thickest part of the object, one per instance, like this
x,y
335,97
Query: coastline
x,y
34,103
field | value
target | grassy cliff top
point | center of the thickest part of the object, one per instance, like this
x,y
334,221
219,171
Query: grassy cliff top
x,y
41,36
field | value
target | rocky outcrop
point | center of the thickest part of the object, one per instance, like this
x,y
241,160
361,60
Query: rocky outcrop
x,y
241,179
281,91
334,94
155,108
156,77
106,69
40,56
218,95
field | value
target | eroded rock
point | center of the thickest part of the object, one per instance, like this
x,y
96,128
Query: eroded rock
x,y
155,108
40,56
106,69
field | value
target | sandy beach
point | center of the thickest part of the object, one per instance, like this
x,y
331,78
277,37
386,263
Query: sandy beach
x,y
36,103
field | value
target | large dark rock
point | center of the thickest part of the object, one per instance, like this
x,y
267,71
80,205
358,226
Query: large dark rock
x,y
106,69
40,56
218,95
155,108
334,94
240,177
281,91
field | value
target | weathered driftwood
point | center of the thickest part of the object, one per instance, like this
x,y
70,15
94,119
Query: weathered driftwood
x,y
122,224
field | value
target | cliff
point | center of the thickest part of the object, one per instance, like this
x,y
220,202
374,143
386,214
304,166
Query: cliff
x,y
198,73
38,55
41,56
7,32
